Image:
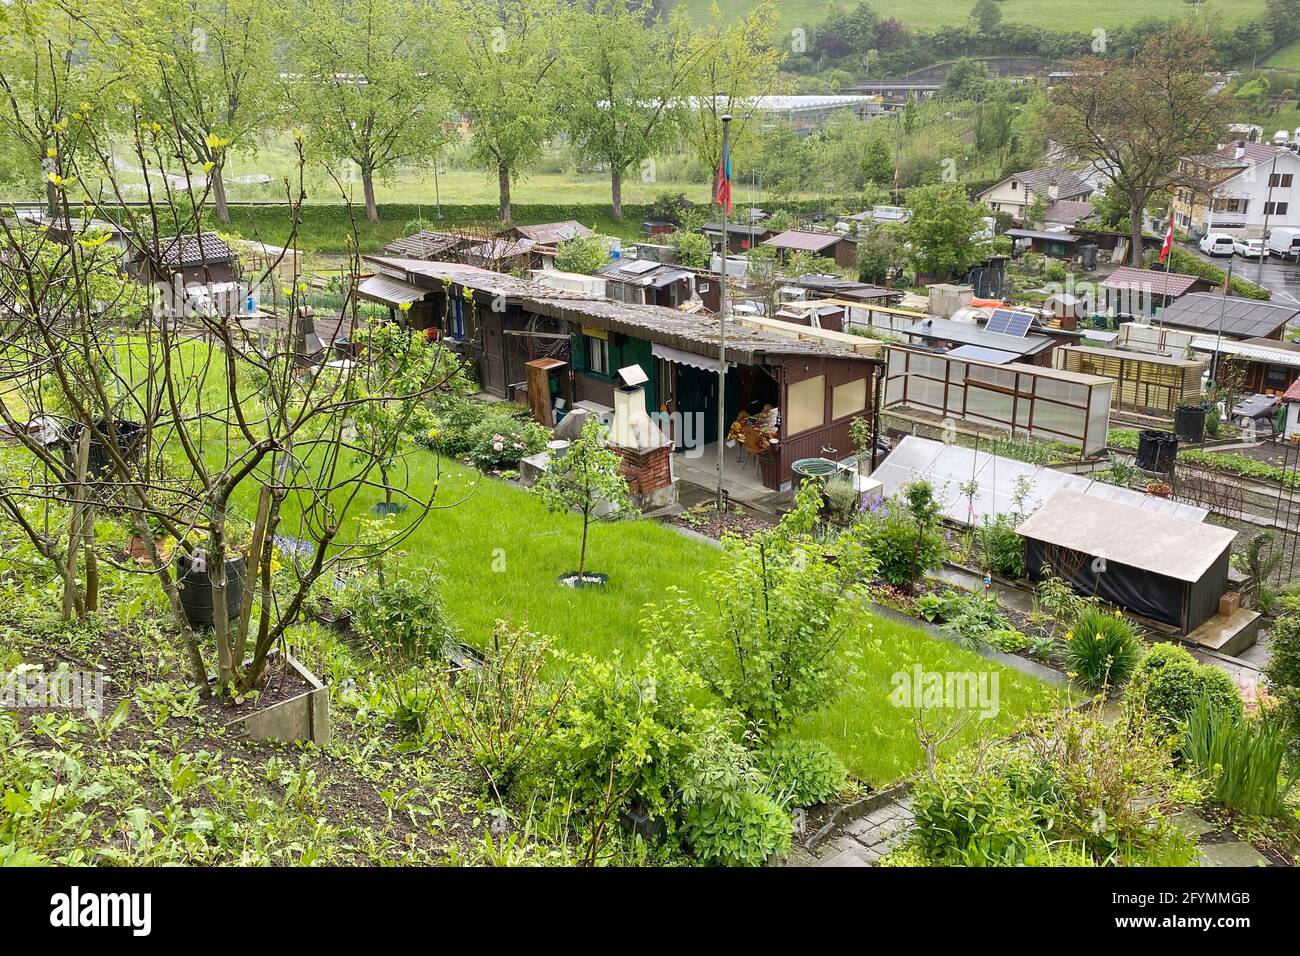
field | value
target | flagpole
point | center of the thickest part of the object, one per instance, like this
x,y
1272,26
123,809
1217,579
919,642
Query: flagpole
x,y
724,175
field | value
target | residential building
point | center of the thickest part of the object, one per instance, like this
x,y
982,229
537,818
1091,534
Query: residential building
x,y
1051,184
1235,189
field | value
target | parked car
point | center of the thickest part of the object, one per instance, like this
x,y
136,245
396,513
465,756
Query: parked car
x,y
1216,244
1284,242
1248,248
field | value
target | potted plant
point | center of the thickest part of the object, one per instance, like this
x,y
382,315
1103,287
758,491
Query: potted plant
x,y
586,479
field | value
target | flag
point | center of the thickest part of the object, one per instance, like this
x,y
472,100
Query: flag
x,y
723,194
1169,238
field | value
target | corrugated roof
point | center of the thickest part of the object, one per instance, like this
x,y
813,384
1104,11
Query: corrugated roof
x,y
425,244
1123,534
1242,318
1255,353
549,233
1158,283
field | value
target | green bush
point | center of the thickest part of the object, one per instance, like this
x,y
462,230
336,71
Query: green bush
x,y
744,833
1168,682
974,618
1283,672
1102,649
1243,758
906,551
404,617
1003,549
801,773
453,418
500,440
1009,641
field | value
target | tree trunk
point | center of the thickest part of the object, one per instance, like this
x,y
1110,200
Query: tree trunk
x,y
368,184
1135,208
219,204
503,183
616,192
53,201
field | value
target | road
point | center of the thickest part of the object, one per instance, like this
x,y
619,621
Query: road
x,y
1279,277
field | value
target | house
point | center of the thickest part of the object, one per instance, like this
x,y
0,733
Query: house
x,y
1261,366
549,233
484,315
741,237
205,259
644,282
1235,317
1058,245
1051,184
817,285
809,387
831,245
1241,189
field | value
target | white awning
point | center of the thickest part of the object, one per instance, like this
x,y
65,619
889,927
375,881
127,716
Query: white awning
x,y
669,354
390,291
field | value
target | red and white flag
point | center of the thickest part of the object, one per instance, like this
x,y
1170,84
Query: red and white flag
x,y
1169,238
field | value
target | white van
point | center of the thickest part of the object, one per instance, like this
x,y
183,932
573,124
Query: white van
x,y
1284,242
1216,244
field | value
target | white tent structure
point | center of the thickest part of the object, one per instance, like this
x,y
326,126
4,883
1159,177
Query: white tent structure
x,y
950,470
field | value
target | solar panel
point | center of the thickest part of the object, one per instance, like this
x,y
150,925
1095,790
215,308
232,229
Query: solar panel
x,y
1007,322
639,267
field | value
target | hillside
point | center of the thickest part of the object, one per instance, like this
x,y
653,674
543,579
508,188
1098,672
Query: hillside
x,y
1051,14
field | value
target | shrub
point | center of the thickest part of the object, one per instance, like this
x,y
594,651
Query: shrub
x,y
583,254
1283,672
1102,649
744,833
1168,682
403,617
802,772
903,536
1069,790
974,618
500,440
1003,549
1242,757
1009,641
453,418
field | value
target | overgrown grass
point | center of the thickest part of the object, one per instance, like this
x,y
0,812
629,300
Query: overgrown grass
x,y
500,553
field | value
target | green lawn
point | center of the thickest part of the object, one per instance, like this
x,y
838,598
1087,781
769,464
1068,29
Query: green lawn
x,y
500,552
1287,58
1048,14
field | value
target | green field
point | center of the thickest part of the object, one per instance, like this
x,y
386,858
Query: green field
x,y
1287,58
1048,14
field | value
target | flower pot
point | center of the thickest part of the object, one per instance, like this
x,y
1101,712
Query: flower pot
x,y
130,441
589,579
196,589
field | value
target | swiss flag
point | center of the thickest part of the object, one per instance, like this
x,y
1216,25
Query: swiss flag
x,y
1169,238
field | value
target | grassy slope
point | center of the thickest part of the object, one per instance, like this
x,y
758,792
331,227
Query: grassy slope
x,y
1048,14
644,559
1287,58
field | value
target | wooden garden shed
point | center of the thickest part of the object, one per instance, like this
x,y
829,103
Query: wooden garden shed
x,y
1146,381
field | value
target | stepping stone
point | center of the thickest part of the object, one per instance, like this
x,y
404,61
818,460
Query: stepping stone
x,y
858,856
1231,854
1192,824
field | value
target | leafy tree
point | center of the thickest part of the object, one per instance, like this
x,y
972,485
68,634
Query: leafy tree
x,y
584,254
364,88
693,248
625,90
987,16
1141,118
769,648
502,60
218,88
878,163
880,254
942,230
968,79
735,64
1036,211
584,478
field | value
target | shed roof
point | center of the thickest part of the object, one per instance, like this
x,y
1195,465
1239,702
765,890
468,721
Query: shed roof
x,y
804,240
549,233
967,333
1123,534
1272,353
1149,358
205,249
425,244
1159,283
1242,318
1044,236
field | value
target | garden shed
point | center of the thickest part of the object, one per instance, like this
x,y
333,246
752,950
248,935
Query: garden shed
x,y
1157,565
1146,381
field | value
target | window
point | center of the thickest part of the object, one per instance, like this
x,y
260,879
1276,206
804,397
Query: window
x,y
1280,179
456,319
1014,184
597,355
848,398
1275,208
1277,377
807,404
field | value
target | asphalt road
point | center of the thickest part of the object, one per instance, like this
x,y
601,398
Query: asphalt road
x,y
1279,277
